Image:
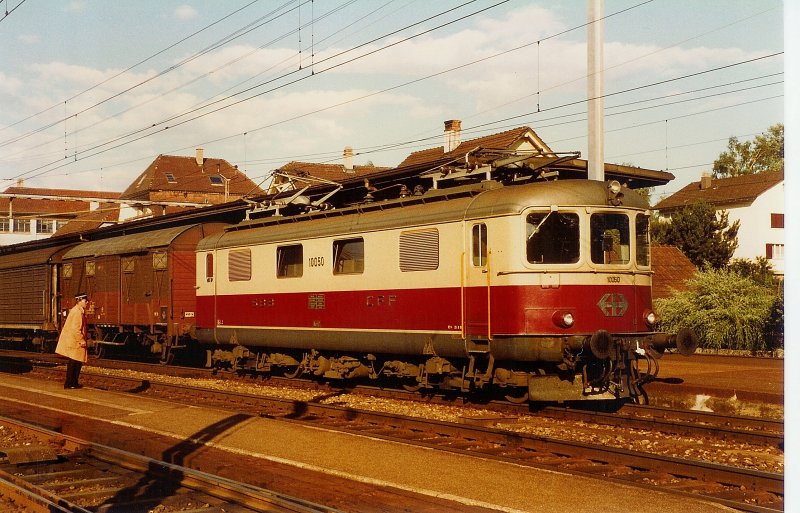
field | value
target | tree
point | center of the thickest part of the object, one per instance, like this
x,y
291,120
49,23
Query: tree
x,y
703,235
726,311
765,153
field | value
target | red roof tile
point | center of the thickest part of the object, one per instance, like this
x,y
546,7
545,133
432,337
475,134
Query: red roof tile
x,y
499,141
723,191
182,174
671,269
332,172
106,213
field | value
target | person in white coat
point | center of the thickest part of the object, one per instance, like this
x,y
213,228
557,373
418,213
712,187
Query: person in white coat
x,y
73,340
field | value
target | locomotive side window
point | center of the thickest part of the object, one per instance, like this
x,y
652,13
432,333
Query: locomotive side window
x,y
239,265
290,261
348,256
209,266
419,250
553,238
480,245
610,238
642,240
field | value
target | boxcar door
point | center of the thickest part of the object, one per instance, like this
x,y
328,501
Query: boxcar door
x,y
477,283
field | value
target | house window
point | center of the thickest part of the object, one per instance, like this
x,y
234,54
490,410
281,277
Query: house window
x,y
45,226
217,180
170,178
348,256
419,250
774,251
5,224
776,220
290,261
22,225
239,265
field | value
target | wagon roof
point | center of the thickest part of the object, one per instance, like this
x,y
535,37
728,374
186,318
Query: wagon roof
x,y
134,243
30,258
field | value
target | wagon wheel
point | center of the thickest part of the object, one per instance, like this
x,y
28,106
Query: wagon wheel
x,y
521,396
412,386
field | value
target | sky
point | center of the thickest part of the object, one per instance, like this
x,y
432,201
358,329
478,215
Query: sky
x,y
93,91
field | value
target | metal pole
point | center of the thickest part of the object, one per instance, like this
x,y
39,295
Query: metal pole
x,y
596,166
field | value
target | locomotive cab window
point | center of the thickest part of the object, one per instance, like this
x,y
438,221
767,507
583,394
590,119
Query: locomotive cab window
x,y
642,240
348,256
290,261
480,245
610,238
552,237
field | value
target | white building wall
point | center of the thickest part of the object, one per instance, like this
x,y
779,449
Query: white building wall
x,y
755,230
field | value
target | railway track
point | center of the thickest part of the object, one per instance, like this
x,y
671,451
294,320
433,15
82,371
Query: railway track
x,y
64,474
743,489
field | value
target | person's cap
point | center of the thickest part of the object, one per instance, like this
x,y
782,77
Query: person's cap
x,y
81,295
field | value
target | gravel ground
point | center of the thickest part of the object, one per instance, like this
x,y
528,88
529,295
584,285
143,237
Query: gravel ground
x,y
718,451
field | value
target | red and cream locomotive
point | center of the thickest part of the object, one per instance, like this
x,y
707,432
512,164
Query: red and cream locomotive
x,y
541,290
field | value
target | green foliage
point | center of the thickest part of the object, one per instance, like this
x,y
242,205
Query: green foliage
x,y
704,236
765,153
725,309
759,271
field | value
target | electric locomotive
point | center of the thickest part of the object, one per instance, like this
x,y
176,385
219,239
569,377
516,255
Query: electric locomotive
x,y
540,290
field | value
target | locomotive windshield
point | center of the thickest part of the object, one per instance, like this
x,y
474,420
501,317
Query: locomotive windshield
x,y
553,238
610,238
643,240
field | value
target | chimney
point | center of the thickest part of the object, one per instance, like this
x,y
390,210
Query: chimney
x,y
348,160
198,157
452,134
705,181
20,182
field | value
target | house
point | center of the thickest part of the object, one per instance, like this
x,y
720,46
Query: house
x,y
755,200
32,213
511,146
671,271
168,185
337,173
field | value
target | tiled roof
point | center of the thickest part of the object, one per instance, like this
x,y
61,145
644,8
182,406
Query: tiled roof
x,y
723,191
332,172
671,269
22,205
502,140
106,213
182,174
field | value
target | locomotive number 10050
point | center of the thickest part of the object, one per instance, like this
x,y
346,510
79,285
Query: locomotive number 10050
x,y
317,261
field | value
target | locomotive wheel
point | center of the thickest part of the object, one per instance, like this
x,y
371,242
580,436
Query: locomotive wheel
x,y
292,372
518,398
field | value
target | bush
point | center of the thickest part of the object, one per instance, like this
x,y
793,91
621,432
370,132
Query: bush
x,y
725,309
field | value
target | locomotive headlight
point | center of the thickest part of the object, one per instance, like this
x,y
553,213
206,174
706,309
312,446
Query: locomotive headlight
x,y
614,187
613,194
650,319
563,319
